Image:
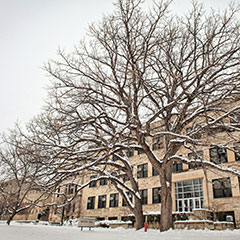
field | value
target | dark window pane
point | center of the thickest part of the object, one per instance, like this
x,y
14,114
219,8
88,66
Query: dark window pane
x,y
102,201
103,182
93,183
114,200
130,153
177,167
156,195
222,188
90,203
142,171
218,155
144,196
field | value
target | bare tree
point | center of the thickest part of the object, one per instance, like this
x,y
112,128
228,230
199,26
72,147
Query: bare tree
x,y
140,68
19,176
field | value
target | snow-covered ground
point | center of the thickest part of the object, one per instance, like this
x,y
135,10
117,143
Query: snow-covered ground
x,y
39,232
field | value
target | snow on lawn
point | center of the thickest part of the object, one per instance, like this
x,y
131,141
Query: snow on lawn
x,y
38,232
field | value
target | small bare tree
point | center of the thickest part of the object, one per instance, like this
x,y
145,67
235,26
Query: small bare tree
x,y
18,177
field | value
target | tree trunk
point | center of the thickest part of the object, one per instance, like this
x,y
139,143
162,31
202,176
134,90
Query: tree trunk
x,y
10,218
166,198
138,213
62,215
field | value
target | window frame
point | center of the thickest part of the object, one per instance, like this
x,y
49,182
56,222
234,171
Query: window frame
x,y
93,183
223,192
220,155
102,201
113,200
144,196
156,195
142,170
102,182
177,167
91,203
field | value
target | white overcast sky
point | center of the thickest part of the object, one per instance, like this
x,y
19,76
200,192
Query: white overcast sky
x,y
30,33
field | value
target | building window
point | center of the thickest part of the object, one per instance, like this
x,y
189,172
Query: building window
x,y
192,156
102,201
218,155
237,151
93,183
177,167
103,181
156,195
142,171
222,188
70,188
154,172
114,200
189,195
125,178
90,203
73,207
144,196
140,151
58,191
124,204
157,143
130,153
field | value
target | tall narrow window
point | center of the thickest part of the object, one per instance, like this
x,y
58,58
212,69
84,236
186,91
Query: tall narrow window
x,y
114,200
218,155
142,171
70,188
222,188
58,191
90,203
102,201
144,196
156,195
93,183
